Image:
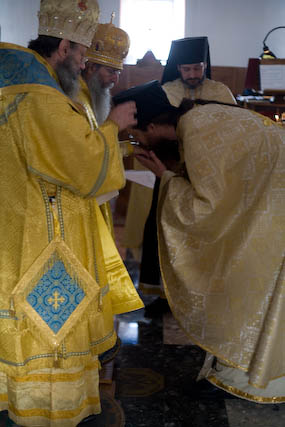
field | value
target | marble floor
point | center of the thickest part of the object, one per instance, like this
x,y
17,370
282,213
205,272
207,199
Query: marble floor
x,y
154,367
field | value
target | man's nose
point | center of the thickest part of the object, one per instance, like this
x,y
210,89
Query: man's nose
x,y
115,78
191,74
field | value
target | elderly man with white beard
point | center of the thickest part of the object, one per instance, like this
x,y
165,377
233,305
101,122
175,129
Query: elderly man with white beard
x,y
110,46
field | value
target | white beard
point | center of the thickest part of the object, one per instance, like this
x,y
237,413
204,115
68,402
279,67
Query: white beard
x,y
100,99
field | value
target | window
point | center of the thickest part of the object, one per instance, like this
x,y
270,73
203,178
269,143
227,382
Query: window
x,y
152,25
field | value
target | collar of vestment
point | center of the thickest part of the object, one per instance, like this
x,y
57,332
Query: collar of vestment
x,y
24,70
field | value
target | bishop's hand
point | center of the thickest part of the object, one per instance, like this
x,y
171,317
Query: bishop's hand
x,y
124,115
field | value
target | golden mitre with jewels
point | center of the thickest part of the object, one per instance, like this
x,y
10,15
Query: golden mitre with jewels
x,y
110,46
74,20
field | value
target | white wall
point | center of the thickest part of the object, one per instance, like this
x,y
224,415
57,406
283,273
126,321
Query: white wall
x,y
19,24
18,20
275,16
106,8
236,28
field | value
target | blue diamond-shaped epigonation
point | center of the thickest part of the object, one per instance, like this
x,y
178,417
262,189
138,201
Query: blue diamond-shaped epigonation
x,y
56,296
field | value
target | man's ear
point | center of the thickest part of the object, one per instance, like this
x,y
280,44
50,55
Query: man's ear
x,y
63,48
94,67
90,68
151,128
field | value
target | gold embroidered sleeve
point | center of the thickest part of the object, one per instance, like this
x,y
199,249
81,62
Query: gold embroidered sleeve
x,y
61,148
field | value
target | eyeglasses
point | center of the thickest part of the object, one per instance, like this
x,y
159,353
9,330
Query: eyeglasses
x,y
112,71
83,60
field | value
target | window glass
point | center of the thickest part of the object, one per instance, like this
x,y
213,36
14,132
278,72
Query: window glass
x,y
152,25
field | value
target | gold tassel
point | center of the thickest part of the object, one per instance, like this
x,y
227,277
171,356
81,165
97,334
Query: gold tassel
x,y
12,308
56,360
56,224
64,354
100,305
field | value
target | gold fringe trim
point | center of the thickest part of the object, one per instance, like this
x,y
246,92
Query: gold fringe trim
x,y
243,395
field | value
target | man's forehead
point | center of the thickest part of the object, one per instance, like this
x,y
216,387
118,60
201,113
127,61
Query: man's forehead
x,y
108,67
196,64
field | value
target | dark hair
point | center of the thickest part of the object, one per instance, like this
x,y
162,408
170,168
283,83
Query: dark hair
x,y
46,45
172,116
187,104
166,118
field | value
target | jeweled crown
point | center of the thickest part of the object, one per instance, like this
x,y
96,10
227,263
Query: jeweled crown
x,y
110,46
74,20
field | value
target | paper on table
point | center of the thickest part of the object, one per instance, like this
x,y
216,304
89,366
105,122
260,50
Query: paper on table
x,y
272,77
106,197
145,178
